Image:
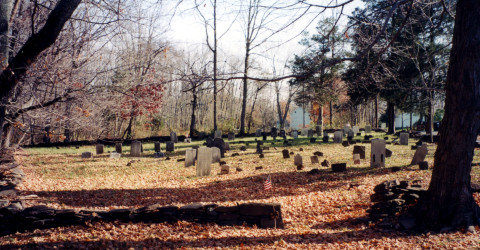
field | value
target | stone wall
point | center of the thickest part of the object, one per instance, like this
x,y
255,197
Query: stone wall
x,y
264,215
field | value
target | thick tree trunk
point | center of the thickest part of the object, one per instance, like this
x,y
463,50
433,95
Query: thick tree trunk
x,y
449,199
391,118
245,91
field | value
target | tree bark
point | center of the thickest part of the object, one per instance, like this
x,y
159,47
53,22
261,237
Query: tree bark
x,y
376,112
194,107
245,90
449,199
391,118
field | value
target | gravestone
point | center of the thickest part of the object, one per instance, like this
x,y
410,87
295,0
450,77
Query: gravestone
x,y
190,154
325,139
259,149
219,143
368,129
115,155
304,131
99,149
118,147
86,155
187,140
209,142
403,138
136,149
227,146
258,133
282,133
170,146
356,158
243,148
338,137
350,135
156,146
339,167
310,133
388,153
360,150
218,134
313,139
274,133
419,155
318,153
285,154
377,155
383,125
231,136
264,136
314,159
318,130
173,137
297,160
346,128
423,165
295,134
215,155
204,161
356,129
158,155
224,169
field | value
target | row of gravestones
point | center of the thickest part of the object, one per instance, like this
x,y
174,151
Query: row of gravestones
x,y
311,133
136,149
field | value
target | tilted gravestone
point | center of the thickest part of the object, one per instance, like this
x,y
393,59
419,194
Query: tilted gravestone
x,y
215,154
204,161
118,147
218,134
419,155
156,146
170,146
356,129
219,143
173,137
338,137
190,154
368,129
258,133
86,155
136,149
404,138
99,149
377,155
314,159
360,150
297,160
295,134
231,136
285,154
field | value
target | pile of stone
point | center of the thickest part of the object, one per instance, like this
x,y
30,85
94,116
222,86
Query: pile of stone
x,y
263,215
10,176
391,198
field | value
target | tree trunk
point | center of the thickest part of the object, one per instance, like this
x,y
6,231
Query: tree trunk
x,y
245,91
430,116
331,114
376,112
320,119
449,199
391,118
194,107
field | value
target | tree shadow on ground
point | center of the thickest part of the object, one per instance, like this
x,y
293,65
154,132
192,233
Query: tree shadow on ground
x,y
247,188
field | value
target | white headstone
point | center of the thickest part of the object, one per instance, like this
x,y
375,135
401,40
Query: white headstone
x,y
383,125
403,138
295,134
190,154
356,158
377,155
304,131
218,134
346,128
204,161
136,149
188,140
215,154
115,155
338,137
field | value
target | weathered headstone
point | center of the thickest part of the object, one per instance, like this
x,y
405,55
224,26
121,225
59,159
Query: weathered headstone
x,y
383,125
204,162
403,138
304,131
346,128
220,143
218,134
136,149
282,133
314,159
368,129
258,133
356,158
297,160
356,129
99,149
337,137
86,155
215,154
224,169
285,154
295,134
350,135
227,146
173,137
231,136
274,133
339,167
118,147
310,133
115,155
360,150
419,155
170,146
190,154
156,146
377,155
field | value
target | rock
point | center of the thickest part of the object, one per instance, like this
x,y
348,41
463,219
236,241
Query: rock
x,y
239,169
235,154
258,168
325,163
395,169
261,156
318,153
407,222
224,169
388,153
345,143
243,148
300,149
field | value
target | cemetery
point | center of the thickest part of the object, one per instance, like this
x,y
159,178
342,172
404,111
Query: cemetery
x,y
240,124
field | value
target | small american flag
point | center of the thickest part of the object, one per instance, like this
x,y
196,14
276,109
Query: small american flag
x,y
267,185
